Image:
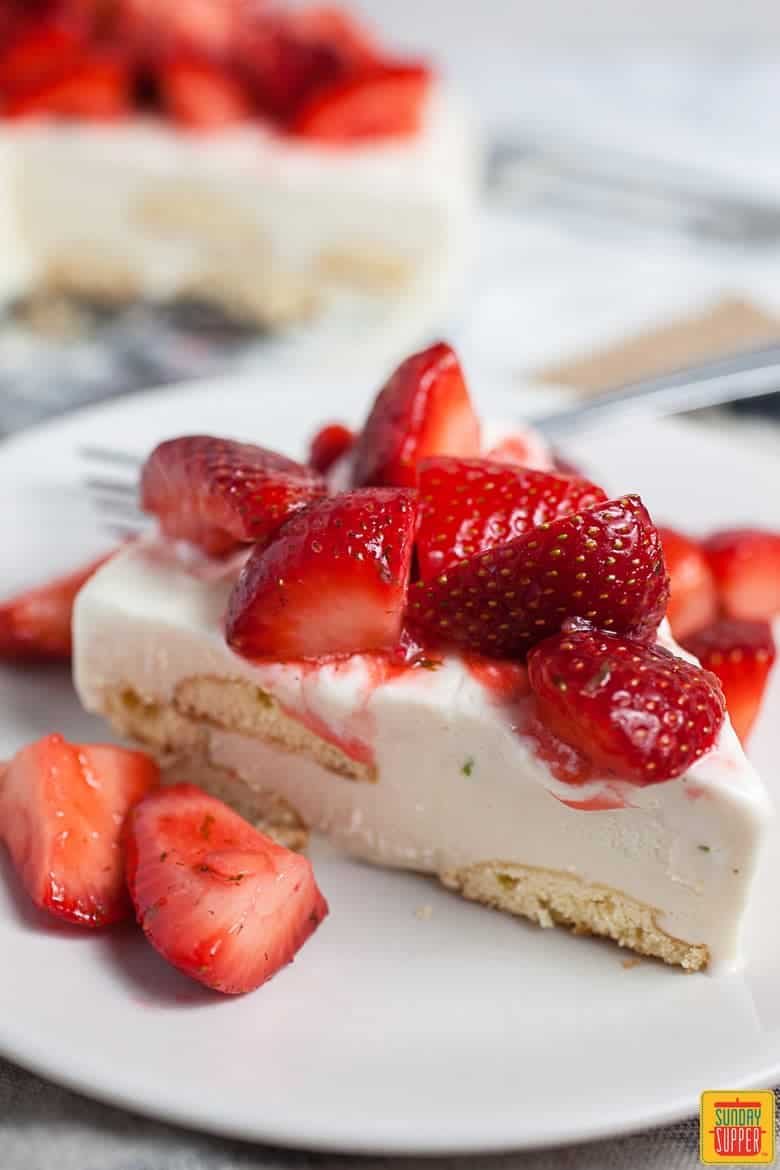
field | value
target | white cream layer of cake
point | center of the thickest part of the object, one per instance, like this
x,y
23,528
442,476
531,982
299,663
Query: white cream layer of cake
x,y
385,224
456,782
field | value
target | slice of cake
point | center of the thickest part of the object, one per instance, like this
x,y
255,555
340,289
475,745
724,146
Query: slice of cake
x,y
277,164
454,667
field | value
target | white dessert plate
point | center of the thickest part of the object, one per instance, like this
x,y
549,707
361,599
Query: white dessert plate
x,y
412,1021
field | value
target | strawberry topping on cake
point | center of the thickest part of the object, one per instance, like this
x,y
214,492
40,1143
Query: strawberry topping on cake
x,y
312,72
741,653
692,600
746,565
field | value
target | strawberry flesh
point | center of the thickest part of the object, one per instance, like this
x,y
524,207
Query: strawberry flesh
x,y
603,565
470,505
692,601
333,582
741,654
636,711
62,807
424,409
219,900
201,95
36,626
217,493
746,565
329,445
96,88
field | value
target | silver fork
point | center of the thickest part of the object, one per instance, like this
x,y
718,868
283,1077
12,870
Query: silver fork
x,y
113,477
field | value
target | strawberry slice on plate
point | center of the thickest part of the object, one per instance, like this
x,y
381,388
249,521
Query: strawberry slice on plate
x,y
202,95
215,897
218,493
603,565
96,89
470,505
387,101
424,409
334,581
329,445
692,601
741,654
36,626
62,808
746,565
636,711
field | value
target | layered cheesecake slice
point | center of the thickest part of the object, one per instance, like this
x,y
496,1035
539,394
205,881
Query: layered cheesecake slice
x,y
511,721
278,164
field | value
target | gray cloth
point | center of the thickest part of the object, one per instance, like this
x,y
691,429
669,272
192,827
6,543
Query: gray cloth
x,y
43,1127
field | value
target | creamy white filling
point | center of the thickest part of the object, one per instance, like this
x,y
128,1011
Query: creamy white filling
x,y
457,783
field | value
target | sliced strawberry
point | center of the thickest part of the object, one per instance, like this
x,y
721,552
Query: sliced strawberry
x,y
328,446
692,603
424,409
215,897
36,626
62,808
201,95
156,30
97,89
217,493
741,654
636,711
524,449
746,565
287,55
603,565
333,582
40,51
386,102
470,505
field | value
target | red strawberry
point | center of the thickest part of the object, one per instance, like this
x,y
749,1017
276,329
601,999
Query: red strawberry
x,y
525,448
741,654
333,582
692,603
97,89
328,446
470,505
603,565
637,711
40,50
388,101
36,626
62,807
424,409
288,55
202,95
746,565
215,897
218,493
210,28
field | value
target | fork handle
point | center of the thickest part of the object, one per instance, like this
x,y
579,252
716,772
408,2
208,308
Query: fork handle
x,y
746,374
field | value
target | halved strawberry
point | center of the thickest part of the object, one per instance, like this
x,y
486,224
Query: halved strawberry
x,y
387,101
97,89
636,711
35,626
287,55
525,448
217,493
692,603
334,581
424,409
603,565
328,446
202,95
62,808
741,654
746,565
215,897
156,30
470,505
40,50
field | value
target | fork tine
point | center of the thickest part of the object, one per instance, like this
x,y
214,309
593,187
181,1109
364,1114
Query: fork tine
x,y
97,454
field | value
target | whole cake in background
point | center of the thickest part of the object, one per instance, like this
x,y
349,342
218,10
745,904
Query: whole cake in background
x,y
278,163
